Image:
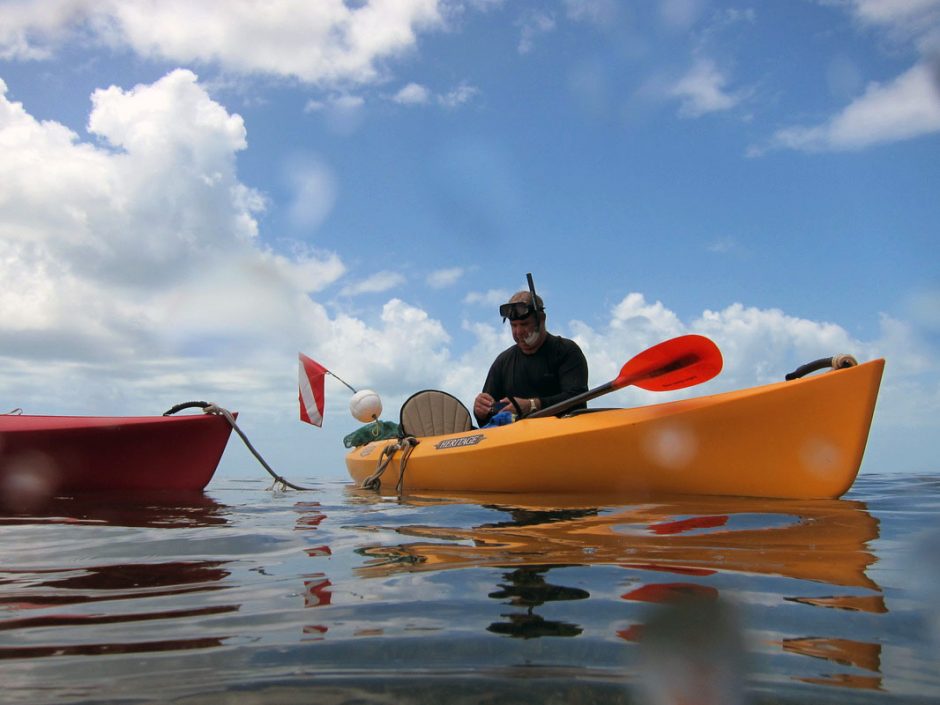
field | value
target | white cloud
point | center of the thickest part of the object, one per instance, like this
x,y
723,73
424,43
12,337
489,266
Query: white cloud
x,y
347,102
491,297
905,108
143,247
145,206
760,346
375,284
416,94
325,42
28,30
642,322
460,95
406,350
905,18
134,276
702,90
533,25
893,10
343,112
443,278
412,94
240,297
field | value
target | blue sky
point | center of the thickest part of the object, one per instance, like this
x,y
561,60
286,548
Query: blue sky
x,y
190,194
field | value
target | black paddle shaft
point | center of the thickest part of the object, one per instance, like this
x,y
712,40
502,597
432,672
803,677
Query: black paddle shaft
x,y
555,409
561,406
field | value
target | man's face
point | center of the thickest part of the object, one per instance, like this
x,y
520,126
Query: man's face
x,y
523,332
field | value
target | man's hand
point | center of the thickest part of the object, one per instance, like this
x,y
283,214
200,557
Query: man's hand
x,y
522,405
483,405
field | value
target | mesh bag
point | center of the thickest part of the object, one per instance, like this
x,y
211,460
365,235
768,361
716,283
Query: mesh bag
x,y
376,431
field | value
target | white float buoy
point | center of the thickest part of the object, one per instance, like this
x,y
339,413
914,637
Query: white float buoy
x,y
365,405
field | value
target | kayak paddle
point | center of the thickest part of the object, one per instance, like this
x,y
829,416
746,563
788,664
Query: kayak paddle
x,y
673,364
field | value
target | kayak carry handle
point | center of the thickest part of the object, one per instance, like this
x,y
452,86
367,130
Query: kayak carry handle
x,y
187,405
836,362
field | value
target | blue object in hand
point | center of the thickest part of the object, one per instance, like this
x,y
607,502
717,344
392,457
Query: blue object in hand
x,y
501,419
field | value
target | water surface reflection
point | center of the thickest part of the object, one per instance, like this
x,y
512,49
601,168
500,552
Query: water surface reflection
x,y
236,593
527,588
772,558
70,608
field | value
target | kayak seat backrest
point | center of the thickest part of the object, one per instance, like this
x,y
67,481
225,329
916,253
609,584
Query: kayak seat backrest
x,y
432,412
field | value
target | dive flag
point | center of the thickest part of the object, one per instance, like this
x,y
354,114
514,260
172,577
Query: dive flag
x,y
311,374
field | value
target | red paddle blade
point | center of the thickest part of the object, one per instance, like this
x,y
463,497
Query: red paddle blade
x,y
673,364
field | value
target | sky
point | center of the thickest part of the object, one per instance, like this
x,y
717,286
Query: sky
x,y
193,193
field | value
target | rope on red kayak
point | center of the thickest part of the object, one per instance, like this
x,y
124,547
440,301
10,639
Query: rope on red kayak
x,y
406,445
210,408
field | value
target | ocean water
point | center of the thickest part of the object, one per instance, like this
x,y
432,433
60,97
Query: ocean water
x,y
244,594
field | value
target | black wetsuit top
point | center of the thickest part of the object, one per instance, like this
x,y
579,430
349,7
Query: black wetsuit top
x,y
553,373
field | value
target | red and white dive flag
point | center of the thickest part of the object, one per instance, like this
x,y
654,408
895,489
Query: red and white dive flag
x,y
311,374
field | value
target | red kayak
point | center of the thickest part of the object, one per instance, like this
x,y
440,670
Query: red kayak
x,y
62,454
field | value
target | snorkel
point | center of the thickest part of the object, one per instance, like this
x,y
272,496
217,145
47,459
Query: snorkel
x,y
534,335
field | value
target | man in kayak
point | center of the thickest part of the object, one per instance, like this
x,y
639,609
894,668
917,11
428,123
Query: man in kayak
x,y
541,369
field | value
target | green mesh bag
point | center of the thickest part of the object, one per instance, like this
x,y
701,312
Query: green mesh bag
x,y
376,431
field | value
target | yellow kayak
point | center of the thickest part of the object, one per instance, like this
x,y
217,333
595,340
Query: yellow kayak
x,y
802,438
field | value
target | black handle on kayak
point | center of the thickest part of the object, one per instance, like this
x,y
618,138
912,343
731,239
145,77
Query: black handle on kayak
x,y
836,362
186,405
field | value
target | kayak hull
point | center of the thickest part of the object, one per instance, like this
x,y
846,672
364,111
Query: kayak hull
x,y
799,439
70,454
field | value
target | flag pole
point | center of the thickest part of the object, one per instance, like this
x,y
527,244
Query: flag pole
x,y
341,380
